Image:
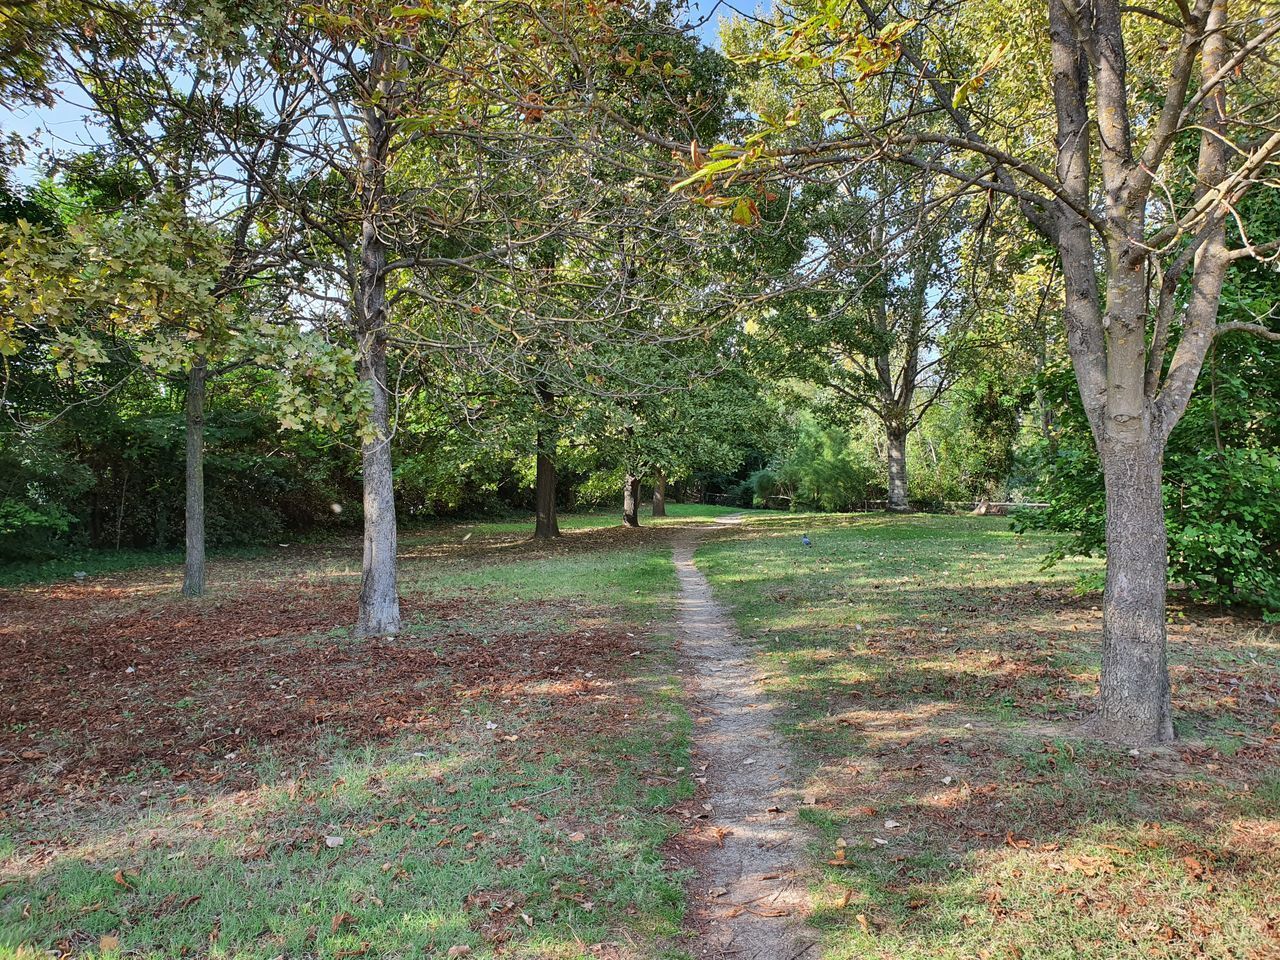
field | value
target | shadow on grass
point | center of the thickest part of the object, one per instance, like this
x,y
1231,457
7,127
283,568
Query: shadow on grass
x,y
240,777
938,684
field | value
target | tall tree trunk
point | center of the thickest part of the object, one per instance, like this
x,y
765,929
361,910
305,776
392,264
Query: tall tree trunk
x,y
379,613
897,459
1134,701
546,525
193,573
631,501
379,602
660,495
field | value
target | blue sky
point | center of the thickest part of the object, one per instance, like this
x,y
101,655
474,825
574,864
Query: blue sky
x,y
706,15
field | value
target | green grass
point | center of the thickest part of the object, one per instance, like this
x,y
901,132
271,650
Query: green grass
x,y
103,562
106,562
937,679
599,519
420,836
934,677
538,846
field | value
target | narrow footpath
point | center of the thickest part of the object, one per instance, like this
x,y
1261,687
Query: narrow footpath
x,y
750,897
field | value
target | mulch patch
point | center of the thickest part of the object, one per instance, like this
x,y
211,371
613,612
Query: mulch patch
x,y
110,684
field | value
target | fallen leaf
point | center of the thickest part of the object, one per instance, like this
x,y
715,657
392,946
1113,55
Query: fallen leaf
x,y
769,911
459,950
340,920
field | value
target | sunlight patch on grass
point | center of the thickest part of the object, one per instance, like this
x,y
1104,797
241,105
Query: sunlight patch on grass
x,y
936,680
492,835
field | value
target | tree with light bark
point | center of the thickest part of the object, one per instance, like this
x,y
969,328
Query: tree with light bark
x,y
183,115
1126,137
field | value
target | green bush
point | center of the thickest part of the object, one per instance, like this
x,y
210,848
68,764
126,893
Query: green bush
x,y
1221,482
822,470
1223,512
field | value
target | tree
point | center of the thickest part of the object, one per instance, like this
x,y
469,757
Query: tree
x,y
392,98
1221,475
884,323
140,294
178,99
587,259
1163,122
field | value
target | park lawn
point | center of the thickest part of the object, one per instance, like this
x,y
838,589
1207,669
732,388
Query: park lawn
x,y
238,777
935,681
334,548
677,513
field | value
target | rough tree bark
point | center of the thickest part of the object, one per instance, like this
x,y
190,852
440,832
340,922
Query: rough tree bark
x,y
193,572
379,613
1135,694
660,495
631,501
546,524
897,460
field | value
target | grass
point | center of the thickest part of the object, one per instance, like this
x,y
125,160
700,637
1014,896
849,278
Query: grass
x,y
937,681
100,562
238,777
105,562
521,815
676,513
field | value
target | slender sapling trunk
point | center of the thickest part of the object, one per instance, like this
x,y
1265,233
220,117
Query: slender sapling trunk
x,y
193,572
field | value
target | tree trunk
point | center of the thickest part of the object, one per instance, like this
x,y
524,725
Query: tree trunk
x,y
193,573
897,458
379,603
660,495
631,501
546,525
1134,700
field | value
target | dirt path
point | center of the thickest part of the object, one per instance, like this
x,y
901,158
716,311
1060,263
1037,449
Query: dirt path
x,y
750,898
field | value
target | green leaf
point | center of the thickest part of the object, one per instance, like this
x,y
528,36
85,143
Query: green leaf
x,y
705,172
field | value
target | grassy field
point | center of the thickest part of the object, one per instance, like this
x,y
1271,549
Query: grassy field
x,y
937,680
240,778
111,562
